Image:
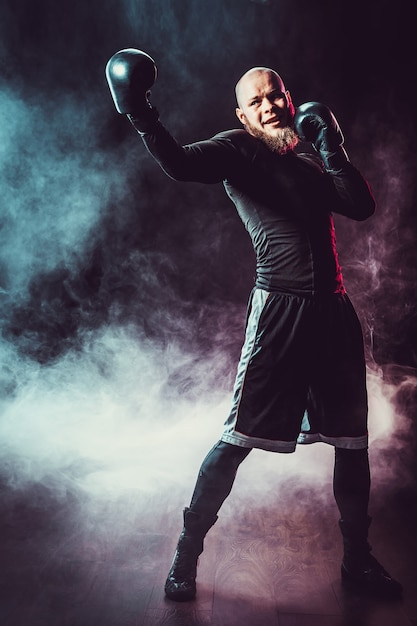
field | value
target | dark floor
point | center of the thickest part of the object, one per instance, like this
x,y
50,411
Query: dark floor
x,y
71,560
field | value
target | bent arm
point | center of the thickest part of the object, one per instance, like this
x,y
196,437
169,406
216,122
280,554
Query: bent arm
x,y
355,198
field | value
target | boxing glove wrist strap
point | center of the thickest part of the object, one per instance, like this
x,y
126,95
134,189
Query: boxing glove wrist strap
x,y
334,161
144,121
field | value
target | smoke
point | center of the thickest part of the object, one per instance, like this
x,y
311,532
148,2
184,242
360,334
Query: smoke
x,y
123,413
379,256
110,415
53,189
123,293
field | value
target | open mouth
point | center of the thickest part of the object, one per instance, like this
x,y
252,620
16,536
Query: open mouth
x,y
273,120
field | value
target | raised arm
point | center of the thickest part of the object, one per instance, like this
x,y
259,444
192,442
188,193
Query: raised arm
x,y
130,74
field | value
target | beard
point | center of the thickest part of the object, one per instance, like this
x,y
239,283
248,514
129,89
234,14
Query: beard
x,y
285,140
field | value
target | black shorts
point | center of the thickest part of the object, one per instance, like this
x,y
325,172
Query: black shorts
x,y
301,376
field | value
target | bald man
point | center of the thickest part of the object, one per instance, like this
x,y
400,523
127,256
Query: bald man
x,y
301,377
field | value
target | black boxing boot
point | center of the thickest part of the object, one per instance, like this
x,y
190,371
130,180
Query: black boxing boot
x,y
360,570
180,584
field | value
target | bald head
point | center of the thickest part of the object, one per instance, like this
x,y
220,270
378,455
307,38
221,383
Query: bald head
x,y
250,77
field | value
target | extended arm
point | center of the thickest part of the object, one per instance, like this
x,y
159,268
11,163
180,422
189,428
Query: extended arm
x,y
208,161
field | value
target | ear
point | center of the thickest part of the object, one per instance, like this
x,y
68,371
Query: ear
x,y
241,116
290,104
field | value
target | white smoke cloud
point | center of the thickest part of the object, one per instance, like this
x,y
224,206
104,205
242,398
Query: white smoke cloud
x,y
106,406
107,420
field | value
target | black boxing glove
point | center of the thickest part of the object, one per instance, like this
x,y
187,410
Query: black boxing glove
x,y
130,74
314,122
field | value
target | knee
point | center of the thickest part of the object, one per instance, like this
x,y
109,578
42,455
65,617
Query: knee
x,y
224,457
352,457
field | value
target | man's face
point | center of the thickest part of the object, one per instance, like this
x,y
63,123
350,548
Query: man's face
x,y
264,105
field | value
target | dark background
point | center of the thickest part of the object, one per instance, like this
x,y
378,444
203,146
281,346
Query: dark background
x,y
104,260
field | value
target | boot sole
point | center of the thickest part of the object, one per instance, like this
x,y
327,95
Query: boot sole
x,y
180,596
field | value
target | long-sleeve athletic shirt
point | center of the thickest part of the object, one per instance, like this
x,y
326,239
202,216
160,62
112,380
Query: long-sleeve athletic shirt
x,y
285,201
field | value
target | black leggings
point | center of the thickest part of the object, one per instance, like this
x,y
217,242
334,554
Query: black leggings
x,y
351,480
351,483
216,477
